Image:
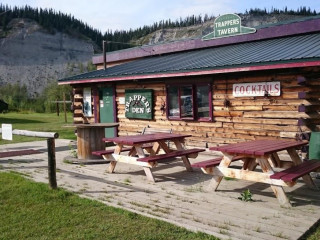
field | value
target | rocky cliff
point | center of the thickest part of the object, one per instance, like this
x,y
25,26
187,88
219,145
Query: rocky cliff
x,y
30,55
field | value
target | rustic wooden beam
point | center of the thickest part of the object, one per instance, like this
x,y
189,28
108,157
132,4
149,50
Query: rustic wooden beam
x,y
302,108
33,133
52,163
308,95
301,80
308,108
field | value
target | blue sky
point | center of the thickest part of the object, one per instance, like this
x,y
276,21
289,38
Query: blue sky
x,y
126,14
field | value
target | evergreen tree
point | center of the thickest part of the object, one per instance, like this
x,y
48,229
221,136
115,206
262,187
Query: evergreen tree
x,y
119,39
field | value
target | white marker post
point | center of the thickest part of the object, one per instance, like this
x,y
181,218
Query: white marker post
x,y
6,131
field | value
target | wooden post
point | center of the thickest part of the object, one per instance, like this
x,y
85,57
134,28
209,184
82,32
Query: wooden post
x,y
51,151
57,106
64,108
52,163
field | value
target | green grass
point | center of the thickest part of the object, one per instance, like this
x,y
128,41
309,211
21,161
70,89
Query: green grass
x,y
314,233
42,122
30,210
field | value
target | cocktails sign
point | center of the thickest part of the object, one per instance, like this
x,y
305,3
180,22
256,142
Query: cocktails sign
x,y
256,89
138,103
228,25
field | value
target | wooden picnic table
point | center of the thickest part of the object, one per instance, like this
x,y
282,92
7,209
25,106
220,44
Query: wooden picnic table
x,y
265,154
144,151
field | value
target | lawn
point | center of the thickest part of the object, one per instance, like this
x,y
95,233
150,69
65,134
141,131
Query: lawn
x,y
41,122
30,210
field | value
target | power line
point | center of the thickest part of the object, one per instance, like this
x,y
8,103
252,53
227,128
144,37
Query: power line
x,y
4,12
132,44
124,43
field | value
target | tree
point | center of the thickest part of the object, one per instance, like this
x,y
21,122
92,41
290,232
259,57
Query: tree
x,y
54,92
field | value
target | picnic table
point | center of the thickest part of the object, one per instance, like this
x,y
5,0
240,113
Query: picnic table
x,y
265,154
144,151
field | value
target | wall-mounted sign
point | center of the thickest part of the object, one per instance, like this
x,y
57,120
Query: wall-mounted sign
x,y
101,104
87,106
138,103
122,100
228,25
256,89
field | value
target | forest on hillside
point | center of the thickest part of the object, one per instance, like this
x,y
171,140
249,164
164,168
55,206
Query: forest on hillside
x,y
53,21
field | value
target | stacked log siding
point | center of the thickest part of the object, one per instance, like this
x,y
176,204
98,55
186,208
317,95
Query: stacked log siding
x,y
294,112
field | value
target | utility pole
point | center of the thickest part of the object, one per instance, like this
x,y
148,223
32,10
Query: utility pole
x,y
64,108
104,50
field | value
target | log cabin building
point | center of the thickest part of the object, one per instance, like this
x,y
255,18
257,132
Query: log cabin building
x,y
263,84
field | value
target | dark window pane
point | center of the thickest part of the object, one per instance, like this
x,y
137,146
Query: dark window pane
x,y
203,101
173,105
186,102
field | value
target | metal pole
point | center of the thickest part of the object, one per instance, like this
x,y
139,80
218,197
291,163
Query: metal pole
x,y
104,49
52,163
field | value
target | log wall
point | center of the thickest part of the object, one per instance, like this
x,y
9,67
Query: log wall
x,y
236,119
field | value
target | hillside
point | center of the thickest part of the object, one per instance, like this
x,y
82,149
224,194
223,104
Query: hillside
x,y
174,34
31,55
34,55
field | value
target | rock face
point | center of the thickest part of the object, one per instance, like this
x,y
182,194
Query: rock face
x,y
30,55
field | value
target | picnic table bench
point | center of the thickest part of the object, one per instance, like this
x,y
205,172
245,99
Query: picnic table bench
x,y
146,146
103,153
295,172
208,165
137,154
192,153
265,154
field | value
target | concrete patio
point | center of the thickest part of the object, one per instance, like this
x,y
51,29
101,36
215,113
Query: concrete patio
x,y
178,196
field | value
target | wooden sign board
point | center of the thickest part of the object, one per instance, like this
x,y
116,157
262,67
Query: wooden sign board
x,y
228,25
256,89
139,103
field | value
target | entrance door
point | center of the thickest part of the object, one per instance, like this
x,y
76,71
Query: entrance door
x,y
107,109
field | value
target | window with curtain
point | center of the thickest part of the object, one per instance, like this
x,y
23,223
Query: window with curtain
x,y
189,102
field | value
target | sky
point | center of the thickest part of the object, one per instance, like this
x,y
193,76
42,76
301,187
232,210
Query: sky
x,y
125,14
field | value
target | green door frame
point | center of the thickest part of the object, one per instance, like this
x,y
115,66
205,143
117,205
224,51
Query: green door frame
x,y
107,103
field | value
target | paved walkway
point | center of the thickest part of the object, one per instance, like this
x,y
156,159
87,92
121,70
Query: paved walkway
x,y
178,196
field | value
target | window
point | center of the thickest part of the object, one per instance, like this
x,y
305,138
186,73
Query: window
x,y
189,102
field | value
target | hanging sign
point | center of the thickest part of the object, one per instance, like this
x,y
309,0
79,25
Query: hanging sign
x,y
138,103
87,106
256,89
228,25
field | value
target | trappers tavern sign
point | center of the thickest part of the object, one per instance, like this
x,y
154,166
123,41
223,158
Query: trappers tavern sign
x,y
138,103
228,25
